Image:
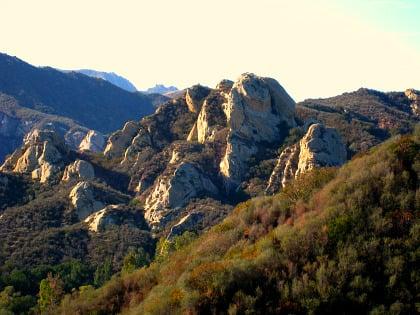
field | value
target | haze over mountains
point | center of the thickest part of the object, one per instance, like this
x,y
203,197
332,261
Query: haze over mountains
x,y
110,77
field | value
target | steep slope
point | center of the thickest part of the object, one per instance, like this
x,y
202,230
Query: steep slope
x,y
111,77
95,104
332,242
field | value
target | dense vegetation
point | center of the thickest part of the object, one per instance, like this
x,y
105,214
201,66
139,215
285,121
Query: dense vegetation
x,y
340,241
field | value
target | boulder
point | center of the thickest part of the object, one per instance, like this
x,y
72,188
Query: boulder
x,y
83,199
258,111
174,190
119,141
80,170
93,142
195,97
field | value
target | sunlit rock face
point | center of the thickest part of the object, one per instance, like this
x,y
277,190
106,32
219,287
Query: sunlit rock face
x,y
83,199
93,142
175,189
79,169
41,155
121,139
258,111
319,147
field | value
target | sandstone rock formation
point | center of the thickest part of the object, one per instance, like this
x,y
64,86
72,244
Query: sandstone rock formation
x,y
195,96
414,97
41,155
258,110
93,142
79,169
319,147
83,199
174,190
121,139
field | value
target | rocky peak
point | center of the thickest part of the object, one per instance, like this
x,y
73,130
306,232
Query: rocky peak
x,y
195,96
259,110
121,139
93,142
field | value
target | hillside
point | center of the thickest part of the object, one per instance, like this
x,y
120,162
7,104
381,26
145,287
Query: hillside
x,y
111,77
77,217
332,242
364,117
95,104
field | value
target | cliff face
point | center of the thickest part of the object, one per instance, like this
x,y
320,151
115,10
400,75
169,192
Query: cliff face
x,y
319,147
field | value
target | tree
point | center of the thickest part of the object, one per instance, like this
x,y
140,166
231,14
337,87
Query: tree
x,y
135,259
103,273
51,290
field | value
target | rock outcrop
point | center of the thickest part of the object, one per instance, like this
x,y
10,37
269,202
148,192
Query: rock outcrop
x,y
82,197
285,169
93,142
258,111
175,189
195,96
414,97
41,156
121,139
319,147
79,170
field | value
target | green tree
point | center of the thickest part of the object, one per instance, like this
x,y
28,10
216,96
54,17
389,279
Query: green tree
x,y
135,259
103,273
51,290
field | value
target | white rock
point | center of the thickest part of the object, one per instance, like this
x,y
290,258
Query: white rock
x,y
93,142
174,191
83,200
258,110
79,169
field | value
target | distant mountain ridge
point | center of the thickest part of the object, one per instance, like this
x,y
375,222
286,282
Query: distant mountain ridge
x,y
111,77
68,102
161,89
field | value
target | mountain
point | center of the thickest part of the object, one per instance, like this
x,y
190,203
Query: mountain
x,y
333,242
161,89
71,103
242,167
111,77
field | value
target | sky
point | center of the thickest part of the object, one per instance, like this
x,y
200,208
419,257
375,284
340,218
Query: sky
x,y
314,48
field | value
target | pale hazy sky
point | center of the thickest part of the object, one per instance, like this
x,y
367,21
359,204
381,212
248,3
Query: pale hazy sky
x,y
312,47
